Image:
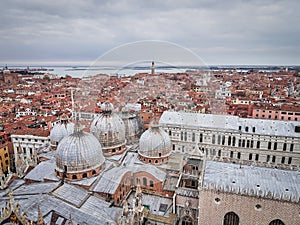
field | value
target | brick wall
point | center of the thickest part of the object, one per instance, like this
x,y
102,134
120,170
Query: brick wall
x,y
212,212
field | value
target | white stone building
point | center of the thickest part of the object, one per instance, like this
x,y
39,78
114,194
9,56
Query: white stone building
x,y
268,143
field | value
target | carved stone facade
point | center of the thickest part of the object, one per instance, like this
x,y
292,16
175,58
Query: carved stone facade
x,y
11,214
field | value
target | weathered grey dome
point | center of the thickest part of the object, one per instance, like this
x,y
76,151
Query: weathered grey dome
x,y
155,143
61,130
108,127
133,125
79,152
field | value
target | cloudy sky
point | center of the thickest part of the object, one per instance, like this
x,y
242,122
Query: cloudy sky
x,y
81,31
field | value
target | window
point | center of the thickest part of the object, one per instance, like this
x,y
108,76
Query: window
x,y
284,146
74,177
290,160
231,154
84,175
229,140
276,222
246,129
283,160
231,219
219,153
144,181
240,127
239,155
274,158
213,139
151,183
275,146
291,147
268,158
258,144
250,156
187,220
138,181
223,140
219,139
233,141
256,157
201,137
269,145
248,143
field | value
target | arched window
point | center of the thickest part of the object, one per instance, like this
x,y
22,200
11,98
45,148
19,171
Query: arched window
x,y
144,181
74,177
187,220
84,175
94,172
276,222
231,219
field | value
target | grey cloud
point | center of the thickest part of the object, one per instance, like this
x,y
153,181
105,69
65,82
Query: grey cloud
x,y
219,31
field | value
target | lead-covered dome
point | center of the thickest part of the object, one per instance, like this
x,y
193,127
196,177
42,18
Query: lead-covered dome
x,y
109,128
133,125
60,130
155,145
79,155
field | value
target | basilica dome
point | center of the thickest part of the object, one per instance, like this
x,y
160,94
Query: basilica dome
x,y
109,128
133,125
60,130
79,155
155,145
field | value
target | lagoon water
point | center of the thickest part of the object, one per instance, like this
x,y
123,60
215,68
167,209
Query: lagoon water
x,y
79,72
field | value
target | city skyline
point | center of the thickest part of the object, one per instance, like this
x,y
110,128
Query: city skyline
x,y
234,33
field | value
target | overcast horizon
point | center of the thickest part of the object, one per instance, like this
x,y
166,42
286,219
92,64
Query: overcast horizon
x,y
204,32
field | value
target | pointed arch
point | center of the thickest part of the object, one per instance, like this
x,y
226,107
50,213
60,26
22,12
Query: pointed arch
x,y
231,218
186,220
276,222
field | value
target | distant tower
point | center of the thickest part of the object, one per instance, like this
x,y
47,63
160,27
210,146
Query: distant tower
x,y
152,69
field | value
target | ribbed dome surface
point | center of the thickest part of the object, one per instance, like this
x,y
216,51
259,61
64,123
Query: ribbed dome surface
x,y
80,151
109,128
132,124
155,142
61,130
